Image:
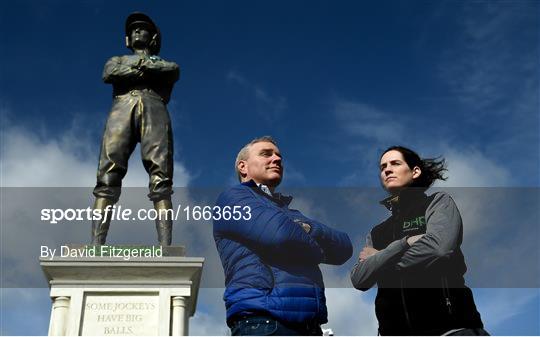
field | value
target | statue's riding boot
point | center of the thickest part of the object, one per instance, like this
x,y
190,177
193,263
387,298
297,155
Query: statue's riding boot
x,y
101,227
164,221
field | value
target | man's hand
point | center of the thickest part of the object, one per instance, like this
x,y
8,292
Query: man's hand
x,y
413,239
306,227
367,252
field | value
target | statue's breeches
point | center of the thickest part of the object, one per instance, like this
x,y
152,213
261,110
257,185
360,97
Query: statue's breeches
x,y
138,116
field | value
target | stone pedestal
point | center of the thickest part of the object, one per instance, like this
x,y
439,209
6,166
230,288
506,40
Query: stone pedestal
x,y
110,295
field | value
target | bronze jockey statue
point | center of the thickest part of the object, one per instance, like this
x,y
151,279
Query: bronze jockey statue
x,y
142,85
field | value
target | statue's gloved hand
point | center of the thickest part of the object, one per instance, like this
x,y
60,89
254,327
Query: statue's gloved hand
x,y
152,63
154,67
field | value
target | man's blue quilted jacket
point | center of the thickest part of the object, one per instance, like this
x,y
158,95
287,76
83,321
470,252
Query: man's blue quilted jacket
x,y
270,262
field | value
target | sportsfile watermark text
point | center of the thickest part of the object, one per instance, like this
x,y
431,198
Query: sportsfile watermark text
x,y
119,213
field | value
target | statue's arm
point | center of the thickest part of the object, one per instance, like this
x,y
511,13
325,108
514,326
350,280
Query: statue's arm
x,y
121,68
157,67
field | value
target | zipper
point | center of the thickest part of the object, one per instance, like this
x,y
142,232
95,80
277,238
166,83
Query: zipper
x,y
397,221
446,293
401,289
404,304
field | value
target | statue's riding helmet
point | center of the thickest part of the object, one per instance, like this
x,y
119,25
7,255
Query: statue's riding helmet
x,y
138,18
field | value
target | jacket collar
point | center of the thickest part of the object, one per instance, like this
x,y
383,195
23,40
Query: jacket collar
x,y
403,200
278,198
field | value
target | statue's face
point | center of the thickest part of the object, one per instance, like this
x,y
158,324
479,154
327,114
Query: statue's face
x,y
140,37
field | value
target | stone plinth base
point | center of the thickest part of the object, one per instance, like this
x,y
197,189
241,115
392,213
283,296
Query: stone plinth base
x,y
106,294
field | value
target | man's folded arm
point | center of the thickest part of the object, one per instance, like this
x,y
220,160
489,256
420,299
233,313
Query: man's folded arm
x,y
268,229
336,245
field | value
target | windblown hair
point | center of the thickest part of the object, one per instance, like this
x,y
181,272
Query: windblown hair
x,y
432,168
244,152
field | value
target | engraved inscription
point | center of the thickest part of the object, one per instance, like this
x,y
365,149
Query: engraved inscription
x,y
120,315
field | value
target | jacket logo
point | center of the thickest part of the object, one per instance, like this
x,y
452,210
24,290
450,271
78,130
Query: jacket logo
x,y
414,224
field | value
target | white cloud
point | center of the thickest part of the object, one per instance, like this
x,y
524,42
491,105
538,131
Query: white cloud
x,y
487,63
364,131
490,67
292,176
498,306
65,166
471,168
270,107
17,305
236,77
32,161
467,167
204,324
308,207
209,320
350,313
29,160
359,119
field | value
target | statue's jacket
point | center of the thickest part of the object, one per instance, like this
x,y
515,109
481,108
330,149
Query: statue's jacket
x,y
421,289
142,87
271,264
133,72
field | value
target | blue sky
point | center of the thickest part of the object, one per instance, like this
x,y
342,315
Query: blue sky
x,y
334,83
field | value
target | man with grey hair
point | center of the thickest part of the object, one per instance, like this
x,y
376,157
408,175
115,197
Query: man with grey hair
x,y
244,152
271,253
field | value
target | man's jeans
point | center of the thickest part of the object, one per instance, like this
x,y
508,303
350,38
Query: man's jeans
x,y
268,326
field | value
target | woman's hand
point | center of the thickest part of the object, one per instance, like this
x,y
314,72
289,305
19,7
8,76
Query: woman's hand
x,y
413,239
367,252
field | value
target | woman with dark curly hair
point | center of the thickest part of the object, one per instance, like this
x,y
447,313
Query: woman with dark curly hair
x,y
414,256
